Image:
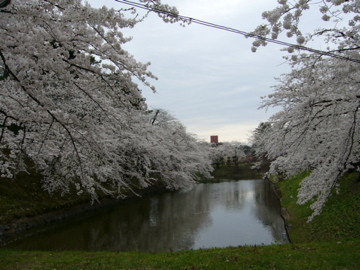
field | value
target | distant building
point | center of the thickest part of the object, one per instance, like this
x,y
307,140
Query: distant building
x,y
214,139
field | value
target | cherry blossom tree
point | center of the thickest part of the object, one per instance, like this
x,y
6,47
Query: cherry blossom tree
x,y
259,145
218,154
70,107
182,157
317,128
226,152
341,34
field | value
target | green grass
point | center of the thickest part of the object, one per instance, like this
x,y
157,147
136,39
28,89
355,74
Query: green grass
x,y
330,255
339,220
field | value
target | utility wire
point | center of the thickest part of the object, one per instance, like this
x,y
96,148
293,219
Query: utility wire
x,y
236,31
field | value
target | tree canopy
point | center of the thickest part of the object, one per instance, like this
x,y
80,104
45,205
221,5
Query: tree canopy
x,y
317,128
69,104
226,152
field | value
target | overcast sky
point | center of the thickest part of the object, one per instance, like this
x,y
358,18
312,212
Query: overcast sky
x,y
209,79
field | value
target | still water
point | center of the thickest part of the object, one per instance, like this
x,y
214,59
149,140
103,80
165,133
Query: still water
x,y
229,213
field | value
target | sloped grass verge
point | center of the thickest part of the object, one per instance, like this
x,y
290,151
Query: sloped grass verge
x,y
24,197
339,220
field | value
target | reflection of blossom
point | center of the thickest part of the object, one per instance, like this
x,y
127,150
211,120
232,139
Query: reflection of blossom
x,y
154,212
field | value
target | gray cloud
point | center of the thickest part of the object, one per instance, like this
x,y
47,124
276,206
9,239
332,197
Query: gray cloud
x,y
209,79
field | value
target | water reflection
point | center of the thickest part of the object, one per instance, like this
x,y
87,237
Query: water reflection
x,y
223,214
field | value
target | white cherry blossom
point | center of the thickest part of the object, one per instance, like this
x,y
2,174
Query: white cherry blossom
x,y
69,106
318,126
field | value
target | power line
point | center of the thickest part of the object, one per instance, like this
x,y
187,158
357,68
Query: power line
x,y
236,31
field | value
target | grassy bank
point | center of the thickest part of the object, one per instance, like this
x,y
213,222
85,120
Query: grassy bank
x,y
332,255
24,197
340,219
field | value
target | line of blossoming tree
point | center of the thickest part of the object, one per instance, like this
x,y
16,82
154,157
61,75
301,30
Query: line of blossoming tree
x,y
68,101
317,128
69,105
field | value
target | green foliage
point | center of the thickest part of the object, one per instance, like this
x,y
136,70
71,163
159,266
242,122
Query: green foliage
x,y
339,219
242,171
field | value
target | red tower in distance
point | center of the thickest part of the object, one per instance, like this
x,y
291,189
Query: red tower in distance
x,y
214,139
